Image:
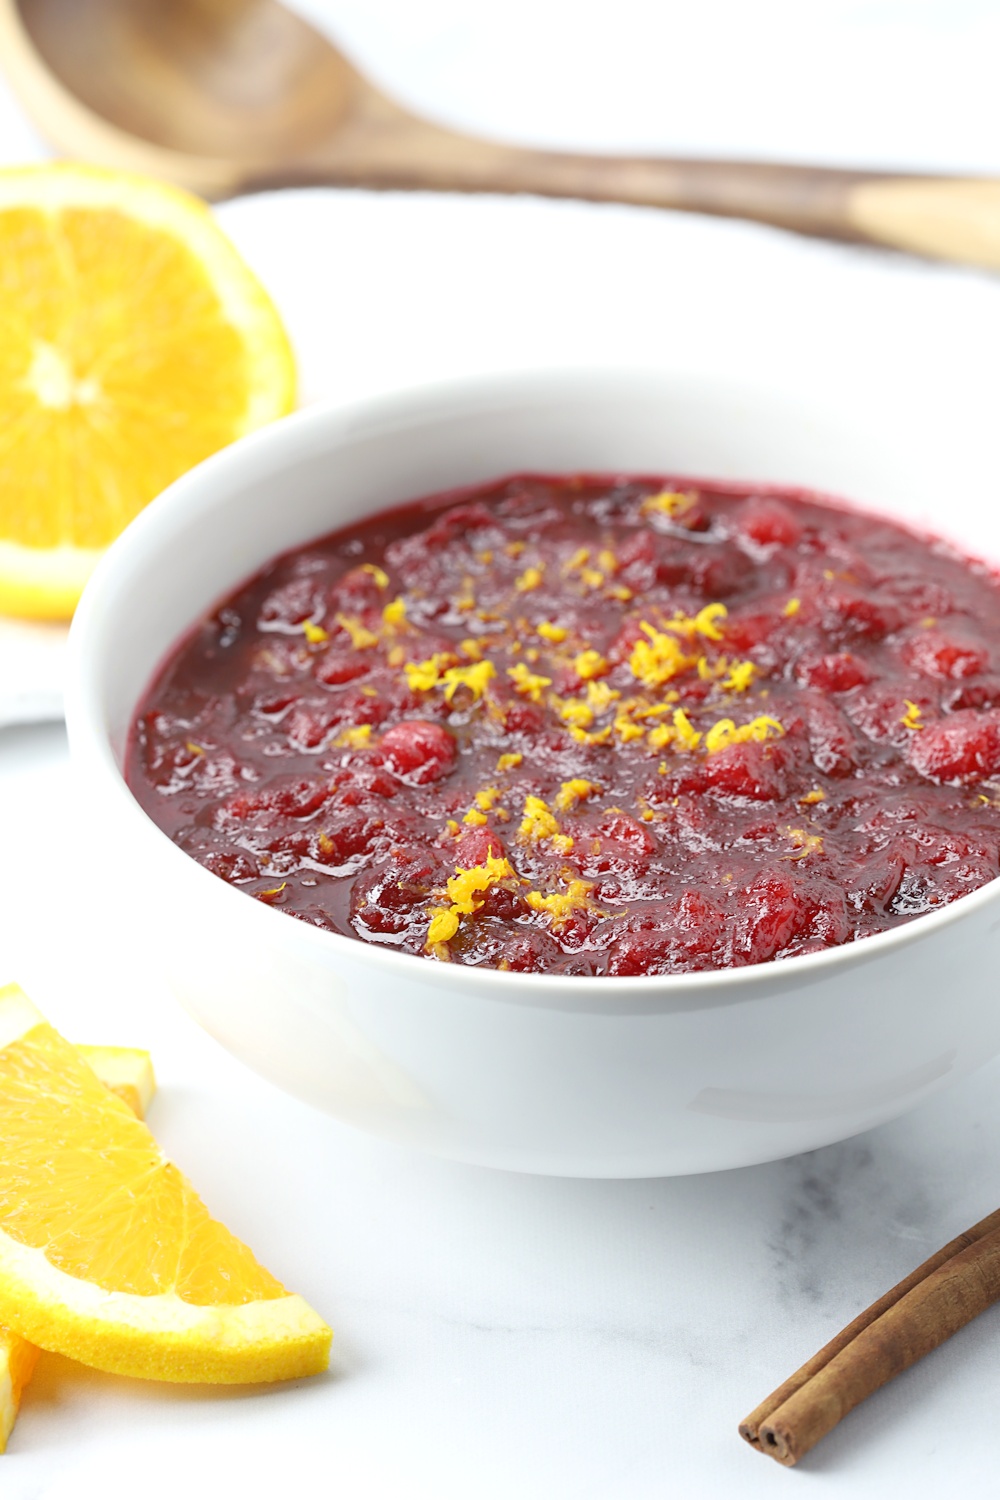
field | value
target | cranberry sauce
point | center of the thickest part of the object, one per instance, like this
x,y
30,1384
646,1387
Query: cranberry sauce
x,y
592,725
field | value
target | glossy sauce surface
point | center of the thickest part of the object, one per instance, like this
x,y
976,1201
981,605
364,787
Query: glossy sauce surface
x,y
596,725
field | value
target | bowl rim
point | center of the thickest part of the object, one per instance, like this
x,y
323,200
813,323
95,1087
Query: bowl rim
x,y
404,406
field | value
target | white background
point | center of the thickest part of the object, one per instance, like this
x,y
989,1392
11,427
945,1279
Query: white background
x,y
500,1335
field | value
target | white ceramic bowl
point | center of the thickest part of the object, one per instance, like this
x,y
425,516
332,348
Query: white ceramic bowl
x,y
591,1077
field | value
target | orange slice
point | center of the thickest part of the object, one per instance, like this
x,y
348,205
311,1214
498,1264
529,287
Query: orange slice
x,y
17,1364
128,1072
107,1255
134,341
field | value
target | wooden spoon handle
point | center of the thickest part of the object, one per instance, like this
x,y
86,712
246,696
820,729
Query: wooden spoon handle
x,y
955,219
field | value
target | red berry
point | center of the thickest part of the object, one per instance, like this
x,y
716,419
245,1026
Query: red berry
x,y
621,844
308,724
521,717
850,615
267,805
831,739
297,600
337,667
748,769
768,523
836,672
752,628
936,654
418,752
777,913
982,694
456,523
879,711
474,846
666,937
958,750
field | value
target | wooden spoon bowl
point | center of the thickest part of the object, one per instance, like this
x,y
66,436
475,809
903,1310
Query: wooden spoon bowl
x,y
228,96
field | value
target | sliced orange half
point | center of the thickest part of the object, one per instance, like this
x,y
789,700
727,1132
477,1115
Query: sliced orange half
x,y
134,341
107,1254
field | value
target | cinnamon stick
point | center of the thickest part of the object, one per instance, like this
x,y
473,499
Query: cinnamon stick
x,y
943,1294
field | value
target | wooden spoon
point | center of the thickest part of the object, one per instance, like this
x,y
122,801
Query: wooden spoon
x,y
228,96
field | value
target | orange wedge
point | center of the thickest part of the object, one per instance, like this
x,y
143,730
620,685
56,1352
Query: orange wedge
x,y
134,341
17,1364
128,1072
107,1255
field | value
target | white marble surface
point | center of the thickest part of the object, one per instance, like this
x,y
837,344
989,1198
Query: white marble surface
x,y
500,1335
